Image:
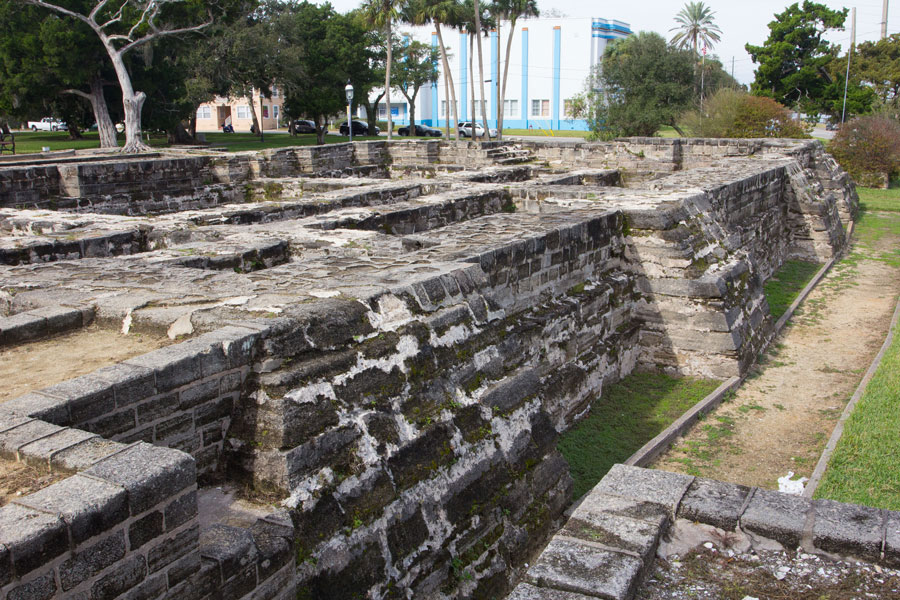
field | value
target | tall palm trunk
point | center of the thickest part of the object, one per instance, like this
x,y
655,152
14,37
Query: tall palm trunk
x,y
512,30
387,79
449,75
480,67
499,87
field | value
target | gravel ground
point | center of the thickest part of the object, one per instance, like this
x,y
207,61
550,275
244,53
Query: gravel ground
x,y
714,573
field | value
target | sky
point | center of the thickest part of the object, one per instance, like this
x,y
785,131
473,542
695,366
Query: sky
x,y
741,21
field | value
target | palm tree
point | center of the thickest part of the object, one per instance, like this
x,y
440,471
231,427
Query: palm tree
x,y
381,13
467,21
695,25
510,10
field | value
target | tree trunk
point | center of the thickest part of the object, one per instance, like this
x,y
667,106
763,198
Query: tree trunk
x,y
480,69
412,112
447,105
372,111
387,80
180,135
320,129
105,126
255,121
497,83
192,123
449,79
132,103
74,132
512,30
473,116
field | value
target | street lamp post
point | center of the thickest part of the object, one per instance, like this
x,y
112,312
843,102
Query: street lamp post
x,y
348,89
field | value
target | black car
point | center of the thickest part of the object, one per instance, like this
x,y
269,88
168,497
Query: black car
x,y
359,128
422,130
305,126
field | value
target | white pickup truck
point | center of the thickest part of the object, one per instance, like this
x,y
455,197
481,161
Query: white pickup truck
x,y
47,124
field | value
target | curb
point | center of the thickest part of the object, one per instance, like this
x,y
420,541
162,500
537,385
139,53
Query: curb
x,y
819,471
661,442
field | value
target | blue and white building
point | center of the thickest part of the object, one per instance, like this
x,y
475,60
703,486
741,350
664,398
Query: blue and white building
x,y
549,64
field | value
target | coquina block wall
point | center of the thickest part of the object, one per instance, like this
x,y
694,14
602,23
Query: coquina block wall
x,y
408,422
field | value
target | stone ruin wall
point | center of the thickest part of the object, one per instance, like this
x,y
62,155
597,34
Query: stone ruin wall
x,y
412,428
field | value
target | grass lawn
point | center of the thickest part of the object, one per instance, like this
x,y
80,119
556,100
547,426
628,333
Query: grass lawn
x,y
667,132
628,415
784,286
547,133
864,467
28,142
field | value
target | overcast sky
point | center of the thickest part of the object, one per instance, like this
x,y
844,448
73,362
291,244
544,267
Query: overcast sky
x,y
741,22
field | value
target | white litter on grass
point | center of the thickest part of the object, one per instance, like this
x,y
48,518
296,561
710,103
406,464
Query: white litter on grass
x,y
786,485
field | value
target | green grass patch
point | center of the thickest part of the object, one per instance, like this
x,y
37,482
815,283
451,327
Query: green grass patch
x,y
784,286
864,467
28,142
628,415
547,133
667,132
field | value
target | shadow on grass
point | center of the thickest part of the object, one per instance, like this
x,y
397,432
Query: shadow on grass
x,y
627,415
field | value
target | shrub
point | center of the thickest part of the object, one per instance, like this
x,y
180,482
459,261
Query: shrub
x,y
869,149
735,114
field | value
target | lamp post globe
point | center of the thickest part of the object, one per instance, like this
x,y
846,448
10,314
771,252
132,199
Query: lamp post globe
x,y
348,90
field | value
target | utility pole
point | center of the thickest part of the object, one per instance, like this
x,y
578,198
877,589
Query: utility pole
x,y
849,55
884,13
732,69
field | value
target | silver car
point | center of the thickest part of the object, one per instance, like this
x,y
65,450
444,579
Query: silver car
x,y
465,129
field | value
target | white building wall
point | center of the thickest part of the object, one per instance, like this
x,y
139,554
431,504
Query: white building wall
x,y
553,74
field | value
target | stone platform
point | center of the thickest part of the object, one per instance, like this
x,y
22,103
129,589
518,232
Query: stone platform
x,y
385,337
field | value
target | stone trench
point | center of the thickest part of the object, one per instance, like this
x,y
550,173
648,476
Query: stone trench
x,y
379,343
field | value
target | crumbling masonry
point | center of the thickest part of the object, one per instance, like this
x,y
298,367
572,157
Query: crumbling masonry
x,y
386,337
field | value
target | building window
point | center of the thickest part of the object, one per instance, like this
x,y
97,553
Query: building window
x,y
265,110
510,108
275,112
444,109
243,112
274,92
204,112
540,108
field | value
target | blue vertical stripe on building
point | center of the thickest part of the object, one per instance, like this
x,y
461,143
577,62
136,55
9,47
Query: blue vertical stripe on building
x,y
495,51
525,74
557,48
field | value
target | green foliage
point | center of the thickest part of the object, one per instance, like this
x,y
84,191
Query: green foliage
x,y
415,65
627,416
878,67
793,60
868,148
784,286
695,25
336,49
644,83
731,113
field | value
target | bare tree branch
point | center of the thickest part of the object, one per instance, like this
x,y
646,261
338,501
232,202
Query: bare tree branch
x,y
62,10
76,92
162,33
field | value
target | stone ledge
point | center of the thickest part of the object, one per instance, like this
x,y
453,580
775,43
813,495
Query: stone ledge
x,y
42,322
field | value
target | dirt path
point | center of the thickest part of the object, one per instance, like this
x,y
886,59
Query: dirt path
x,y
782,416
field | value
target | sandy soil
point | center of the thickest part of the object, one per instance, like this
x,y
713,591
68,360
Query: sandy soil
x,y
18,479
36,365
782,416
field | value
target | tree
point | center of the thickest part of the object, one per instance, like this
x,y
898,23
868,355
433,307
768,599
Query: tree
x,y
643,83
467,21
695,25
382,13
877,66
415,66
731,113
512,11
124,25
335,49
793,61
377,58
43,57
868,148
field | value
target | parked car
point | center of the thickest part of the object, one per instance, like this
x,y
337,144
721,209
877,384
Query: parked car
x,y
832,126
465,129
47,124
359,128
421,130
306,126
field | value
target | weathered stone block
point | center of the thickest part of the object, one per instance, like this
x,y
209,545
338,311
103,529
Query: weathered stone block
x,y
660,487
149,474
39,452
778,516
81,456
170,549
89,561
88,506
714,503
232,547
145,529
14,438
585,569
40,588
512,392
126,575
32,538
848,529
526,591
892,540
614,531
